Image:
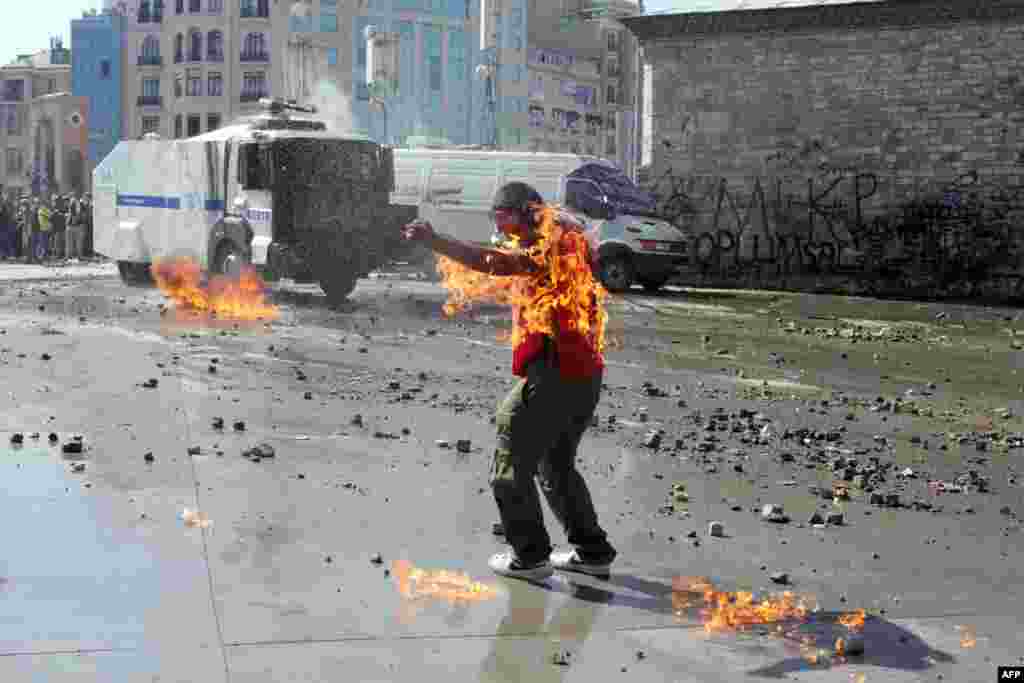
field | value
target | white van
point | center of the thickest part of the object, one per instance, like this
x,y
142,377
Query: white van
x,y
454,190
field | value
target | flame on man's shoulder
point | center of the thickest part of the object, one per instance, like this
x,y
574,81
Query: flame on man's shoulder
x,y
563,282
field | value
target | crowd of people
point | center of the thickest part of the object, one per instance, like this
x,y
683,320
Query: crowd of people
x,y
46,229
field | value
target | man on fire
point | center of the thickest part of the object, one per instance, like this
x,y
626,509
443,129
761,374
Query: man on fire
x,y
558,340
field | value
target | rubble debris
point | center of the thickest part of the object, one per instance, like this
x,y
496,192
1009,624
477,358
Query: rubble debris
x,y
239,426
73,447
781,578
835,519
150,383
716,530
259,451
561,658
679,494
46,356
195,519
308,396
218,423
377,559
463,445
774,513
17,438
441,443
212,369
194,450
357,420
148,457
54,438
816,518
653,439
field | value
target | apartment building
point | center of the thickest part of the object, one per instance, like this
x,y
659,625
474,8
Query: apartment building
x,y
190,66
43,129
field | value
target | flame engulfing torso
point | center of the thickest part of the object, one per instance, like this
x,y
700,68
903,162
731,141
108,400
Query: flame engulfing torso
x,y
562,297
242,299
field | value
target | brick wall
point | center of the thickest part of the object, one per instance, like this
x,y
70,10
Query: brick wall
x,y
852,153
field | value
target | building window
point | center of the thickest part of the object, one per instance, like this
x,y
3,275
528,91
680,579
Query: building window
x,y
255,8
195,125
151,88
14,90
158,11
144,16
332,56
9,119
536,117
195,41
613,67
51,86
611,95
150,55
254,49
432,40
457,54
215,85
14,161
215,6
329,16
537,87
195,6
194,85
215,46
105,69
179,48
179,6
178,126
613,41
254,86
150,124
177,86
213,122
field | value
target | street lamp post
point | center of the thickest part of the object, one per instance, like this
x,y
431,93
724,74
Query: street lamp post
x,y
381,70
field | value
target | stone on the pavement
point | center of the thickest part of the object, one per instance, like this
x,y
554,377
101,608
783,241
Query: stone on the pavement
x,y
716,530
774,513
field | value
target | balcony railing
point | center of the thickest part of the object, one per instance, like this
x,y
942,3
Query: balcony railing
x,y
215,57
255,13
7,97
151,60
179,57
255,57
253,96
150,101
195,57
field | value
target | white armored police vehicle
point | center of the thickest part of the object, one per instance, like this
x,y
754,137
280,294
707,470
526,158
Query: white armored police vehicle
x,y
276,190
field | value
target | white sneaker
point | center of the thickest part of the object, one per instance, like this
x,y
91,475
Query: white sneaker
x,y
569,561
506,564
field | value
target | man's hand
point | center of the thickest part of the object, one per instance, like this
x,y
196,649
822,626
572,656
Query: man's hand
x,y
418,231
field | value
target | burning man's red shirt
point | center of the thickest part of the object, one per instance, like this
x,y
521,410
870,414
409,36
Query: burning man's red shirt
x,y
577,354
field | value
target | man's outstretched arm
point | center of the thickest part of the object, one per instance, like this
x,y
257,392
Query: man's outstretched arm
x,y
481,259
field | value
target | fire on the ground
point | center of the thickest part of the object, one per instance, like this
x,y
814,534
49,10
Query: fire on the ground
x,y
242,298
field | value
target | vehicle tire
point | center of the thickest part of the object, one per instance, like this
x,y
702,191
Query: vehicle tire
x,y
229,261
338,285
135,274
653,285
616,273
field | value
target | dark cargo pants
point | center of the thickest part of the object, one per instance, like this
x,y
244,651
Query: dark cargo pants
x,y
540,424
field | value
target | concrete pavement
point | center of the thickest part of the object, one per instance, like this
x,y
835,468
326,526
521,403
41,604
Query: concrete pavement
x,y
102,580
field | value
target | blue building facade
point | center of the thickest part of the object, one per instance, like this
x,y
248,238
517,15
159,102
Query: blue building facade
x,y
96,75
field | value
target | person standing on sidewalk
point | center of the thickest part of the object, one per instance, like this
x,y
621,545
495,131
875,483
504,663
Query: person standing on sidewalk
x,y
7,227
75,229
542,420
58,224
41,236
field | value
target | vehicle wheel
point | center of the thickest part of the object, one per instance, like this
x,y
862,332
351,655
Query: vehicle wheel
x,y
229,261
135,274
338,285
653,285
617,273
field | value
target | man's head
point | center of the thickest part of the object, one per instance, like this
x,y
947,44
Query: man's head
x,y
512,210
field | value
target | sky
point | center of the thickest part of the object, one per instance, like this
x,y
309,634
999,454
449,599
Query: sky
x,y
30,28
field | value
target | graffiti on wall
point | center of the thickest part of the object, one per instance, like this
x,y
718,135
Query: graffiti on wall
x,y
842,220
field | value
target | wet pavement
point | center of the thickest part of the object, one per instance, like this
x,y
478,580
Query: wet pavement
x,y
299,573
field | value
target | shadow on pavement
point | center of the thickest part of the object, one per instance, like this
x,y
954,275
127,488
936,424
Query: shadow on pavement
x,y
886,645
